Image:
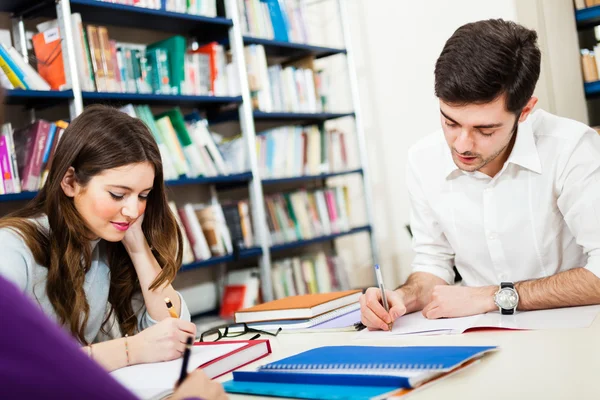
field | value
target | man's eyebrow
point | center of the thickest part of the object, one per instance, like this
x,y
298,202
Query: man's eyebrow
x,y
448,118
484,126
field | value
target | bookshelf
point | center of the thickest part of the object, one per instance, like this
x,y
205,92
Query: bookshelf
x,y
587,17
224,29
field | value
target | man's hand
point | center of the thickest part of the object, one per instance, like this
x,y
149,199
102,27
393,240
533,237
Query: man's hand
x,y
373,314
459,301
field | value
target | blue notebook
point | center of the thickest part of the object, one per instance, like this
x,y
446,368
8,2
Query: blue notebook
x,y
303,391
367,358
357,369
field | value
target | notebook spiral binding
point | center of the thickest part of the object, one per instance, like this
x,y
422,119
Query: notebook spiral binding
x,y
336,367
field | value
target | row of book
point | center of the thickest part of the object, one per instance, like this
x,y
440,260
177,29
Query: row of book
x,y
309,274
25,154
304,215
581,4
17,73
207,8
301,150
298,87
213,230
590,63
170,67
187,146
283,20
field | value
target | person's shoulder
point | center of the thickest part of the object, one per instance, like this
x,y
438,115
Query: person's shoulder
x,y
560,129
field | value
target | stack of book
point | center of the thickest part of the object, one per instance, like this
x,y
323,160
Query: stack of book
x,y
305,312
309,274
213,230
283,20
304,215
25,154
207,8
356,372
187,146
169,67
301,150
298,87
17,73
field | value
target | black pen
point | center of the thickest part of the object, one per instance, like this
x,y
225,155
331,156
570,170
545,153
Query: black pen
x,y
186,359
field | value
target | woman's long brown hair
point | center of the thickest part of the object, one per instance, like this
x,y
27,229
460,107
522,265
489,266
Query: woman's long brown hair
x,y
101,138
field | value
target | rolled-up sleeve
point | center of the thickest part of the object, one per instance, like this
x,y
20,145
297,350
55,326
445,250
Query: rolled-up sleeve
x,y
579,198
434,254
146,321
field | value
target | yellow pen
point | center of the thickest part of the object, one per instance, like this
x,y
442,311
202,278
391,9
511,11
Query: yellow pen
x,y
171,308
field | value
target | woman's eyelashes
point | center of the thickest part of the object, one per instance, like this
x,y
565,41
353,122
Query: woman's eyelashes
x,y
118,197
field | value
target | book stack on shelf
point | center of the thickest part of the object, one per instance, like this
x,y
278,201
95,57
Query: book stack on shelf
x,y
583,4
187,147
301,150
304,215
207,8
309,274
296,87
16,73
274,19
212,230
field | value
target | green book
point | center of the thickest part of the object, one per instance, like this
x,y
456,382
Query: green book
x,y
175,48
190,149
288,203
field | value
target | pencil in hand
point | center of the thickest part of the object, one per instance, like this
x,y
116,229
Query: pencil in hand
x,y
171,308
186,359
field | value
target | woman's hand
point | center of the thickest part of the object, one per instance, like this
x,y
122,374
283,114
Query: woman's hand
x,y
196,385
134,239
164,341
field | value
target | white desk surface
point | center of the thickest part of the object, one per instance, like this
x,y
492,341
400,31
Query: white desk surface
x,y
550,364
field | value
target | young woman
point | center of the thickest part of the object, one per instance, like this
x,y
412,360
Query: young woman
x,y
98,247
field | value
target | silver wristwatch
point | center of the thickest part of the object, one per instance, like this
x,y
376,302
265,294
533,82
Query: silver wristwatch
x,y
506,298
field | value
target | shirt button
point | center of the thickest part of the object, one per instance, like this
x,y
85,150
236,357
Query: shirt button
x,y
488,190
493,236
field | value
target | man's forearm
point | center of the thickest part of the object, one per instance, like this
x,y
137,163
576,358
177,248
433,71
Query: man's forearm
x,y
416,292
576,287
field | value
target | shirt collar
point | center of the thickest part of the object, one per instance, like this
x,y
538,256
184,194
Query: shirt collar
x,y
524,152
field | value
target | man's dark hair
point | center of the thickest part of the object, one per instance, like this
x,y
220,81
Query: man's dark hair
x,y
485,59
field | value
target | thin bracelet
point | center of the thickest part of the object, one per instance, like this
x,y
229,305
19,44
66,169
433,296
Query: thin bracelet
x,y
127,350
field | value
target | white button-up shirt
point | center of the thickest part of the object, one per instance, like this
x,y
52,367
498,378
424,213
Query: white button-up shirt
x,y
538,216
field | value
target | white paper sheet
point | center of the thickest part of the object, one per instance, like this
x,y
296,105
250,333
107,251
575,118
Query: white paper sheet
x,y
560,318
149,381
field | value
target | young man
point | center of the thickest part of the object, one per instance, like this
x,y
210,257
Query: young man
x,y
508,195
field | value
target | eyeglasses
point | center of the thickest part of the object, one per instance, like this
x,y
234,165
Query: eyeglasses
x,y
220,332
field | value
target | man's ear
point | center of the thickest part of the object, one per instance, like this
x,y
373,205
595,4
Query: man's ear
x,y
69,183
528,108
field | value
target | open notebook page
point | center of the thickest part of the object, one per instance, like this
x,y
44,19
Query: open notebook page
x,y
150,381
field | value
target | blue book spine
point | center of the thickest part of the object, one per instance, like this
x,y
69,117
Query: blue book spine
x,y
323,379
18,71
49,142
278,20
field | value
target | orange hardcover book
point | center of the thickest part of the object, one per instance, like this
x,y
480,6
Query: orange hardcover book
x,y
298,307
107,59
48,51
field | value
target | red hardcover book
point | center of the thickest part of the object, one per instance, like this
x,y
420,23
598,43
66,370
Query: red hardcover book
x,y
253,350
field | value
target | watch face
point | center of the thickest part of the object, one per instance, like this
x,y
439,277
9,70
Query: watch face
x,y
507,298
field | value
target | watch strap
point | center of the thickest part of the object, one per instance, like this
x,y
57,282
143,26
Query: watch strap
x,y
507,285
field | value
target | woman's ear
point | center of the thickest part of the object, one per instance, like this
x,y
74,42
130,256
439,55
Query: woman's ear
x,y
69,183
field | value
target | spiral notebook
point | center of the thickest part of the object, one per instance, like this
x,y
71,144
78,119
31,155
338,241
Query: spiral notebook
x,y
406,367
